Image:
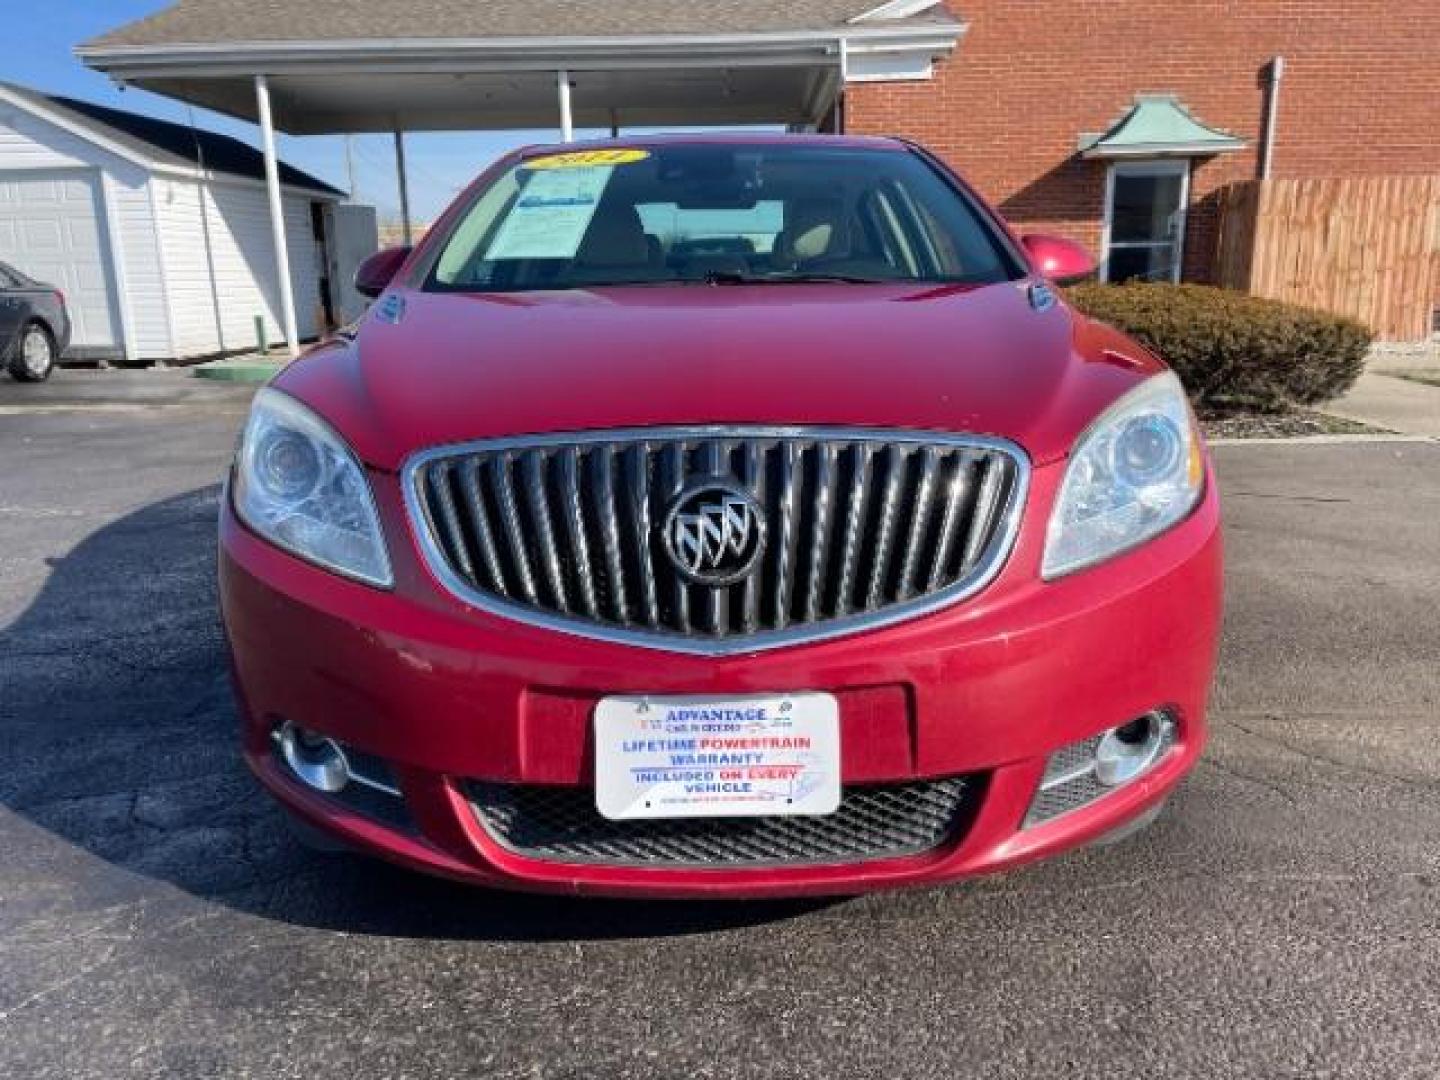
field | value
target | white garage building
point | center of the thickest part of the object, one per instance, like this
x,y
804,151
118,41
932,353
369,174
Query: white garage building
x,y
158,233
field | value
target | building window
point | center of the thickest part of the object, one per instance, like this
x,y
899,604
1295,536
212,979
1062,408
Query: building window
x,y
1145,220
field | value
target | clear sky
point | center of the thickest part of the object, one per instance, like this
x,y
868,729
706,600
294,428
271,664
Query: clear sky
x,y
38,53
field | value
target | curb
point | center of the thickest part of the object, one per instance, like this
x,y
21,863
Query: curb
x,y
1323,440
229,371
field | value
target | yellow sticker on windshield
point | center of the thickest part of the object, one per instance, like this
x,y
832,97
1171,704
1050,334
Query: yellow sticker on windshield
x,y
586,159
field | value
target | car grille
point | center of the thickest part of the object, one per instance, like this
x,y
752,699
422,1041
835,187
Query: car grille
x,y
561,824
860,528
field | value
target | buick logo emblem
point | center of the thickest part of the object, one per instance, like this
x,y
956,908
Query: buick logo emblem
x,y
714,532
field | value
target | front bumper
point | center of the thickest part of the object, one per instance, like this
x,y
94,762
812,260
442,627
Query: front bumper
x,y
989,688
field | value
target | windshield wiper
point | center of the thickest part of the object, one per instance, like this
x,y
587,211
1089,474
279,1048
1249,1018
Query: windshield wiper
x,y
735,277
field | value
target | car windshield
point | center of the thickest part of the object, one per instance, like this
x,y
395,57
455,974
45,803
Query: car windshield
x,y
718,214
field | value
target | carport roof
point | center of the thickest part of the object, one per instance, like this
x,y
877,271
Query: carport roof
x,y
216,21
366,65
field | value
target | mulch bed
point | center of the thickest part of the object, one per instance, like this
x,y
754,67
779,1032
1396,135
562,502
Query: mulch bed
x,y
1287,425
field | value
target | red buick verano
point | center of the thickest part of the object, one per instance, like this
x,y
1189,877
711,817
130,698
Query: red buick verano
x,y
715,515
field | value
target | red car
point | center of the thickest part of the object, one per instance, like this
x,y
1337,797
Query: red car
x,y
722,515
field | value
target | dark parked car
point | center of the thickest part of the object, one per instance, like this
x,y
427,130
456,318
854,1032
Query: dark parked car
x,y
34,325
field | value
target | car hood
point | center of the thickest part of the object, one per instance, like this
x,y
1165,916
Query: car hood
x,y
431,368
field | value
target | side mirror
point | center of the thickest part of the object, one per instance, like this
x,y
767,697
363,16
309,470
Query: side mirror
x,y
374,275
1062,261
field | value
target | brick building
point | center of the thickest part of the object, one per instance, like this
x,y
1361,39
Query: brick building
x,y
1117,124
1359,95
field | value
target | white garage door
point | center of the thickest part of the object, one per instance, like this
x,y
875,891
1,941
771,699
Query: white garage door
x,y
50,228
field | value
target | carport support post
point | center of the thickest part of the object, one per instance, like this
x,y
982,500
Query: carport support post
x,y
277,216
567,124
404,186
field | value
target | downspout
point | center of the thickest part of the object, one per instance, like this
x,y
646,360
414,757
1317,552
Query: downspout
x,y
1272,113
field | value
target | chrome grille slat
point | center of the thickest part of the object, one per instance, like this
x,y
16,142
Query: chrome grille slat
x,y
638,488
820,529
575,528
480,521
984,508
895,463
784,544
854,519
519,550
860,528
753,477
534,470
954,499
449,520
610,533
919,519
674,471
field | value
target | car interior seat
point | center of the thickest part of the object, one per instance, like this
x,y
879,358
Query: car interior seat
x,y
615,247
816,230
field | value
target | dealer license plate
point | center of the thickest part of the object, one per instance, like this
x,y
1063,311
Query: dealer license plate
x,y
748,756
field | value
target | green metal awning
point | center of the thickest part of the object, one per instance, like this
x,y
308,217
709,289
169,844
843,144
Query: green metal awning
x,y
1158,125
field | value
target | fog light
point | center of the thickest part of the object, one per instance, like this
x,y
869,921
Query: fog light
x,y
1127,751
316,760
1078,774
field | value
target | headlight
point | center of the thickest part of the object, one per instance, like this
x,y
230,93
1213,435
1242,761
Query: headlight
x,y
1134,473
298,485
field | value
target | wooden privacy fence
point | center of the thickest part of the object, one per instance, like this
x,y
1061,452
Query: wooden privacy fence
x,y
1367,247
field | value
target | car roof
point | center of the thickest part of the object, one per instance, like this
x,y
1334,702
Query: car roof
x,y
738,140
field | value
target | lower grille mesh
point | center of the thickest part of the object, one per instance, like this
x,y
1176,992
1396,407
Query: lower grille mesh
x,y
561,824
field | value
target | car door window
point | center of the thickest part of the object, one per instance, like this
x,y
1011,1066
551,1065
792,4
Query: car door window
x,y
883,223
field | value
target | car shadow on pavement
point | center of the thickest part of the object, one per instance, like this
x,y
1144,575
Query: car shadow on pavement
x,y
121,738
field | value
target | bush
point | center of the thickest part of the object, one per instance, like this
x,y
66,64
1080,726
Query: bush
x,y
1235,352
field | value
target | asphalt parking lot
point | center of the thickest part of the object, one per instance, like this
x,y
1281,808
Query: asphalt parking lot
x,y
1281,920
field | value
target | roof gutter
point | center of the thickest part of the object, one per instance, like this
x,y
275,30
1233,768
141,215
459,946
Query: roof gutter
x,y
217,176
1185,149
761,49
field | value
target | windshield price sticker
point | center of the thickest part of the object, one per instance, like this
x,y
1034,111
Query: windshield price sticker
x,y
747,756
550,216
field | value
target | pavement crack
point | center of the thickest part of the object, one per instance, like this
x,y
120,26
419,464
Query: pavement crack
x,y
1335,763
1251,877
1284,498
1269,785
